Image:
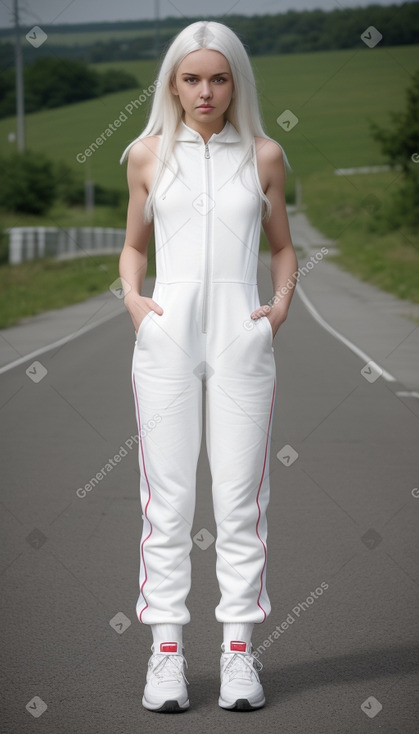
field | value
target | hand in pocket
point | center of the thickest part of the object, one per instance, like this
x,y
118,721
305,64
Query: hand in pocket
x,y
139,307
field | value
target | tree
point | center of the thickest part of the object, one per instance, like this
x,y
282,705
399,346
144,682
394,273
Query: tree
x,y
400,145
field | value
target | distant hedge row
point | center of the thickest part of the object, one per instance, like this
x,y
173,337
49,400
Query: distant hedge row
x,y
54,82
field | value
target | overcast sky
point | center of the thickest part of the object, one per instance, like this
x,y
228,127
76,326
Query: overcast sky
x,y
38,12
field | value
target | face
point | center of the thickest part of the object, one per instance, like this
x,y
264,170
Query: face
x,y
203,78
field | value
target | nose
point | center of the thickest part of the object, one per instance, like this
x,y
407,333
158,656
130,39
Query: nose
x,y
205,90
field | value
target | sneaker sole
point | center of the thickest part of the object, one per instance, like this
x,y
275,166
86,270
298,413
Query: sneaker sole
x,y
242,704
168,707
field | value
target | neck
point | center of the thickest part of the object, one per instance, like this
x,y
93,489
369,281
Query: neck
x,y
205,130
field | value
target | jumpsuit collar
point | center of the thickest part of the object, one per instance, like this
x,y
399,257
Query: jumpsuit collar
x,y
228,134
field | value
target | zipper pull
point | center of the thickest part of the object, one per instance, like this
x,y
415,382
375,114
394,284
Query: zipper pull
x,y
207,153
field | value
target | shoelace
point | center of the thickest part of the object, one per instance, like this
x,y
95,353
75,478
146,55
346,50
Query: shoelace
x,y
168,667
242,665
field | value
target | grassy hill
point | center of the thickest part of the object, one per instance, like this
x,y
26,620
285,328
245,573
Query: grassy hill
x,y
332,93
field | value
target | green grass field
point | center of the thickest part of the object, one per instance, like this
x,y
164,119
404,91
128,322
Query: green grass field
x,y
53,284
333,94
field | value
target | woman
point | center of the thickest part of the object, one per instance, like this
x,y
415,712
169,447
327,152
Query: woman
x,y
204,169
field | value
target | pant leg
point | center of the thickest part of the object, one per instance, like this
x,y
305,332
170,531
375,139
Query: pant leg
x,y
239,409
168,400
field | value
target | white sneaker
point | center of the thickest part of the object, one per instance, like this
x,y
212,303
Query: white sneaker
x,y
165,690
240,685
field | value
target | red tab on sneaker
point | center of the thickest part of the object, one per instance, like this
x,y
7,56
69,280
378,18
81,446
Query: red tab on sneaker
x,y
237,646
168,647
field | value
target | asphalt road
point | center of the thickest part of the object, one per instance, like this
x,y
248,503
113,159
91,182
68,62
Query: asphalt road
x,y
342,548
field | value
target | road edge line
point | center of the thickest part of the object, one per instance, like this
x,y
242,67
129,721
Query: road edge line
x,y
59,343
320,320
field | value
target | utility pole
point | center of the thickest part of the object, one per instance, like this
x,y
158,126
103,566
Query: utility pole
x,y
156,29
20,105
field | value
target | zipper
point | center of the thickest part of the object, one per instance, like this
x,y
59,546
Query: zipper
x,y
206,245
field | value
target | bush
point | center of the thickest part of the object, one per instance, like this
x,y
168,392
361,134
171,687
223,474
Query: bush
x,y
30,183
27,183
68,185
404,209
4,247
107,197
116,80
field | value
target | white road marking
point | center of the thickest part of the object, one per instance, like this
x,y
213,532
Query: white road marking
x,y
315,314
58,343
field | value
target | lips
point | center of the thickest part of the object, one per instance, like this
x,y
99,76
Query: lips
x,y
205,107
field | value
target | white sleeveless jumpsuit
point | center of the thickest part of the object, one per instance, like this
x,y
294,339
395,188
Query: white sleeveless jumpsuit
x,y
207,231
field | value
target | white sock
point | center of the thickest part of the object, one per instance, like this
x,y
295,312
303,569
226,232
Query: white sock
x,y
237,632
164,633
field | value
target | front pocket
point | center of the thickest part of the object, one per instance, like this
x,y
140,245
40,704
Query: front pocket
x,y
140,331
270,331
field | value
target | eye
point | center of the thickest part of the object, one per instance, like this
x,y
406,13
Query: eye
x,y
189,78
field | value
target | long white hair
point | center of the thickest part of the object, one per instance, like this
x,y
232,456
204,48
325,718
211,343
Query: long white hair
x,y
166,112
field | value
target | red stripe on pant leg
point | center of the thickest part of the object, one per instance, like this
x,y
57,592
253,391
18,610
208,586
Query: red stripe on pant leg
x,y
257,501
149,496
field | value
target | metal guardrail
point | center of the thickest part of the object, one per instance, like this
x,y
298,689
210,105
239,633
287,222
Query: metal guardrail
x,y
29,243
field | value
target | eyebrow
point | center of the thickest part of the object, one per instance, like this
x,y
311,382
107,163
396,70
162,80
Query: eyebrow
x,y
218,74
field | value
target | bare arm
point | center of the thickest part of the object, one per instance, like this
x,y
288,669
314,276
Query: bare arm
x,y
284,263
133,258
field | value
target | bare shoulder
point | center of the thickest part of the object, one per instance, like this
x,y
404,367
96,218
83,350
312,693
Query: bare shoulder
x,y
269,161
142,159
144,150
268,150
